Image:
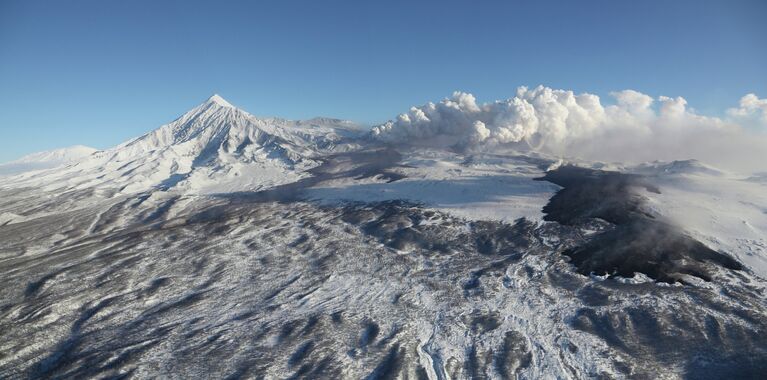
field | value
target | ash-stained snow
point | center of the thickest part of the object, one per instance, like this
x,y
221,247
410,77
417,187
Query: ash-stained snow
x,y
476,186
222,245
269,289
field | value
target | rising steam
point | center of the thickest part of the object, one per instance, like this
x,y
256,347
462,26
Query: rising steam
x,y
636,127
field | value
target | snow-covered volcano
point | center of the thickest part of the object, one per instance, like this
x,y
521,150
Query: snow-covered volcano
x,y
216,129
230,246
214,147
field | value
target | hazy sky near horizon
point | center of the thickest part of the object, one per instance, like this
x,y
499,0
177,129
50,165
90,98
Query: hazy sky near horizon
x,y
100,72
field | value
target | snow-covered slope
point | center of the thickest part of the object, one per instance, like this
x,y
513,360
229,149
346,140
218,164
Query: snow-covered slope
x,y
248,287
724,210
685,167
230,246
46,160
215,147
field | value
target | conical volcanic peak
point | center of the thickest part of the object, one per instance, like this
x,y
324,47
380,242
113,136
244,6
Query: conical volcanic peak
x,y
217,99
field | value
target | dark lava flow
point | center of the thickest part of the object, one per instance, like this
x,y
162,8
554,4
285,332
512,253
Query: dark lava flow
x,y
639,242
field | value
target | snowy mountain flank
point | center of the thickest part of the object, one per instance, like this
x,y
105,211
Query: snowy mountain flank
x,y
46,160
450,243
213,147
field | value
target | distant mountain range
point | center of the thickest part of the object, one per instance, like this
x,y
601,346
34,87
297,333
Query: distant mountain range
x,y
46,160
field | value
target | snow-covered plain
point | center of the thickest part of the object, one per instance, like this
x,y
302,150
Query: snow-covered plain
x,y
474,186
223,245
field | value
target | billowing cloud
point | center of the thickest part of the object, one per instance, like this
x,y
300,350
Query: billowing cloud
x,y
459,120
635,127
750,106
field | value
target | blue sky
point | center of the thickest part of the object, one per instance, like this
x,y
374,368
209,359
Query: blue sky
x,y
100,72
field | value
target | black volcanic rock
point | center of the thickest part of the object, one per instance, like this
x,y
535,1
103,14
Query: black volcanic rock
x,y
640,243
